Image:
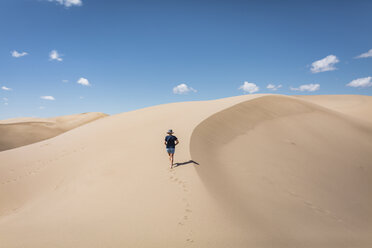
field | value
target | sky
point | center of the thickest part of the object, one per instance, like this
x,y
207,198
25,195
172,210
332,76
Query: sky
x,y
61,57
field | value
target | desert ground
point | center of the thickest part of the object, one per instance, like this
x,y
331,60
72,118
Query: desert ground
x,y
259,170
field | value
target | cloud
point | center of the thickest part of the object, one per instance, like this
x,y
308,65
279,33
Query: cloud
x,y
41,107
16,54
361,82
326,64
54,55
365,55
307,87
273,86
83,81
51,98
6,88
249,87
68,3
5,99
65,81
182,89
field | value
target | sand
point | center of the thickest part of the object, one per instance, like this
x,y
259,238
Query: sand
x,y
355,105
24,131
274,171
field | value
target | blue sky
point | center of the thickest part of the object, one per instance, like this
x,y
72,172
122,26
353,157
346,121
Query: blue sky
x,y
133,54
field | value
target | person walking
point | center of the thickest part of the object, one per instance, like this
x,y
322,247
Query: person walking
x,y
170,142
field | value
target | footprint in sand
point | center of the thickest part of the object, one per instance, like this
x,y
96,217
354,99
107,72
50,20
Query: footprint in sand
x,y
187,209
190,240
290,142
292,193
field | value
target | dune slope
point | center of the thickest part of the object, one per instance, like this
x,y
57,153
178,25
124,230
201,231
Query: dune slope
x,y
268,176
289,170
23,131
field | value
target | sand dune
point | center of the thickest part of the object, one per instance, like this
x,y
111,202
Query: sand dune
x,y
290,170
354,105
23,131
274,171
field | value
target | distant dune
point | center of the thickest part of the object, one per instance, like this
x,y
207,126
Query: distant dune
x,y
23,131
273,171
354,105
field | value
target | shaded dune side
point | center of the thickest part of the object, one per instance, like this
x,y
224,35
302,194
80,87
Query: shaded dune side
x,y
16,133
289,172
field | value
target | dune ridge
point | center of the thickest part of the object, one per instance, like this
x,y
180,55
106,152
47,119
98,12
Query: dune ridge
x,y
24,131
274,171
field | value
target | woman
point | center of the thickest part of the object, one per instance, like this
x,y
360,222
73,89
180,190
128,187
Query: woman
x,y
171,141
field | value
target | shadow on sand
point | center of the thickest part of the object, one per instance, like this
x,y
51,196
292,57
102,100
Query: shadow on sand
x,y
183,163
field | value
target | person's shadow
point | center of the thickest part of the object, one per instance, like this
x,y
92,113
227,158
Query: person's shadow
x,y
184,163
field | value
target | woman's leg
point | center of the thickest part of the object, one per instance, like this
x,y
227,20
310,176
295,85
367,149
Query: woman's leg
x,y
172,157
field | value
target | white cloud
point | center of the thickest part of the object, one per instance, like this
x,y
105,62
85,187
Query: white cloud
x,y
273,86
6,88
83,81
361,82
365,55
48,98
182,89
65,81
6,104
68,3
54,55
307,87
249,87
41,107
326,64
5,99
16,54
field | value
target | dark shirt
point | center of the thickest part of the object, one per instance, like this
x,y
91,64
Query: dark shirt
x,y
170,139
